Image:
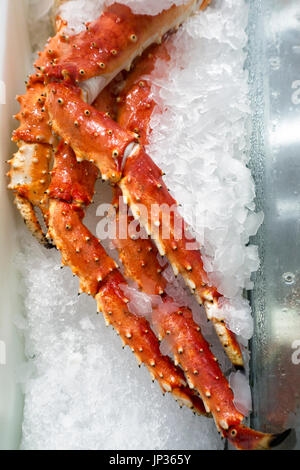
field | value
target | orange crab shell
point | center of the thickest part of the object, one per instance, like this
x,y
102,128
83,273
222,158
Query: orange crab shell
x,y
135,103
138,255
108,44
35,125
71,181
99,277
143,181
74,120
81,250
201,368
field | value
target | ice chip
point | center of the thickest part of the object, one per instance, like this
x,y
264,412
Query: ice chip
x,y
140,304
242,392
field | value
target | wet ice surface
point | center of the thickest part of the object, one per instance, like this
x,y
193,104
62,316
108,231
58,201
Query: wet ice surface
x,y
205,104
242,393
82,390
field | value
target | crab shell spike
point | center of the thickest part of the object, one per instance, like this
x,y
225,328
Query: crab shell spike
x,y
71,181
90,138
113,33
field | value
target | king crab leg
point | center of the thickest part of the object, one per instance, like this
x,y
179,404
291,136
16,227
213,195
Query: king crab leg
x,y
108,46
203,374
30,167
71,189
90,60
79,248
101,279
190,349
29,179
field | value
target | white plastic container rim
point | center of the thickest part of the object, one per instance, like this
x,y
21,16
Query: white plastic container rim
x,y
14,64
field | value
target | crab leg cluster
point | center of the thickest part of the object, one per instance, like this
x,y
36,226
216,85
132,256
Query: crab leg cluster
x,y
133,108
99,275
93,135
71,72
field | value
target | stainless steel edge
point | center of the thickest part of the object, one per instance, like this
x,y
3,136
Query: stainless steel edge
x,y
274,74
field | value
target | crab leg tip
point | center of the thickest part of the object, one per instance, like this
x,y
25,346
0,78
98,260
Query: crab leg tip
x,y
244,438
278,439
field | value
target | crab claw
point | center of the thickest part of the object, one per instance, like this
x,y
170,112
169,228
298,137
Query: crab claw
x,y
244,438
